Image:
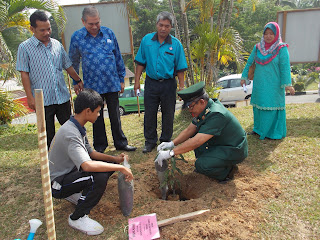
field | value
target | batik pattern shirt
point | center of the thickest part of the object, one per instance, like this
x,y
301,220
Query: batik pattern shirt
x,y
44,65
102,64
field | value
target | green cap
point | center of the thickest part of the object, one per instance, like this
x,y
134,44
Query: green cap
x,y
191,93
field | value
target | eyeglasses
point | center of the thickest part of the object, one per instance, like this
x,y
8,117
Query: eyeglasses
x,y
191,106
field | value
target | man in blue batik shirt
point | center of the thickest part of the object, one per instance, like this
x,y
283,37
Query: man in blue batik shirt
x,y
103,70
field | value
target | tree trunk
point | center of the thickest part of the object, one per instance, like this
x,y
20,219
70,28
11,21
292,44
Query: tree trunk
x,y
230,13
208,54
187,41
223,17
176,27
220,28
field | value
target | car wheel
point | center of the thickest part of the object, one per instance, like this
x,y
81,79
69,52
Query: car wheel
x,y
121,111
248,97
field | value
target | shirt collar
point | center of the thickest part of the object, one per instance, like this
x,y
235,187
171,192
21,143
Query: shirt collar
x,y
167,40
35,41
88,34
82,130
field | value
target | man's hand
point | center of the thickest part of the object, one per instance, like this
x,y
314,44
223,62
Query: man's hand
x,y
242,82
163,155
136,88
121,157
165,145
122,87
78,87
31,102
128,174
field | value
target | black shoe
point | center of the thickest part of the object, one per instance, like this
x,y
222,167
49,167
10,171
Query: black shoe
x,y
230,175
127,148
148,148
252,133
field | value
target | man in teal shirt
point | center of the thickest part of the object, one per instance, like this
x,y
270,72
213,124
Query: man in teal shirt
x,y
163,58
215,135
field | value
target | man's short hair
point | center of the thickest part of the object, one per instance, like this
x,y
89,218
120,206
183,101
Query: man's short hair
x,y
38,16
90,11
165,16
87,98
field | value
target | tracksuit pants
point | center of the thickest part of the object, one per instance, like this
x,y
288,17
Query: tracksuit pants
x,y
92,185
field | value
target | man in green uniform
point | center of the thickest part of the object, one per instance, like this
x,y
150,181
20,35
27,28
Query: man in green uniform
x,y
215,135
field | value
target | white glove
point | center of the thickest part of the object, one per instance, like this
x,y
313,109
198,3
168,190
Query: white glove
x,y
165,145
163,155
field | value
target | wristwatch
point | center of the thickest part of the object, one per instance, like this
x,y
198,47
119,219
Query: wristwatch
x,y
77,81
171,153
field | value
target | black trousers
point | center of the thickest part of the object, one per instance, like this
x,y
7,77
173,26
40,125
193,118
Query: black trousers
x,y
155,93
63,113
100,141
92,185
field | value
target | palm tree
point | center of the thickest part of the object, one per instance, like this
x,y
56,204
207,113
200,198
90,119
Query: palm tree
x,y
227,47
13,17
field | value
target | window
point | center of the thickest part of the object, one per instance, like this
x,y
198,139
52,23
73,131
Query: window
x,y
235,83
126,94
223,84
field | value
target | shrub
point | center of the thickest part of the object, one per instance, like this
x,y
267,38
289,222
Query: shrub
x,y
299,86
9,108
212,91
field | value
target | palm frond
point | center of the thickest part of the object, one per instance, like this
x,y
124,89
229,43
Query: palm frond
x,y
5,53
17,6
60,18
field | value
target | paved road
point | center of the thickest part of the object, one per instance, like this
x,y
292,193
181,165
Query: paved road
x,y
310,97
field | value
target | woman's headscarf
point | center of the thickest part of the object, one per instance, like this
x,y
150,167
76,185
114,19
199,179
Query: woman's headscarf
x,y
268,51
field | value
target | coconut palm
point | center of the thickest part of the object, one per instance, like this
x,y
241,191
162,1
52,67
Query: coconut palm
x,y
13,17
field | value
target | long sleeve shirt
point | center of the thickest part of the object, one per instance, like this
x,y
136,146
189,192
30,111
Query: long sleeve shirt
x,y
102,64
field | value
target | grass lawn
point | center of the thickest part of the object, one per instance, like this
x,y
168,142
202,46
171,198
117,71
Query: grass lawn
x,y
294,161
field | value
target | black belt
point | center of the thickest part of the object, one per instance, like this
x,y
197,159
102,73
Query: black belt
x,y
159,80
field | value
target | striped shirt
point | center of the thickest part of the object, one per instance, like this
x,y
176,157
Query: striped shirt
x,y
44,65
102,64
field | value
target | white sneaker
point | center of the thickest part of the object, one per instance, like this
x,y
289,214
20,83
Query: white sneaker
x,y
86,225
74,198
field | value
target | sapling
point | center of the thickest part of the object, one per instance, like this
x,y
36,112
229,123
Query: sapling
x,y
167,174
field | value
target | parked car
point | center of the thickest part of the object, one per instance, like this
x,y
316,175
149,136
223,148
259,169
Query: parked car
x,y
128,100
232,91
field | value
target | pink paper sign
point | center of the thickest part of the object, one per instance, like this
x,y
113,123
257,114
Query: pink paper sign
x,y
144,227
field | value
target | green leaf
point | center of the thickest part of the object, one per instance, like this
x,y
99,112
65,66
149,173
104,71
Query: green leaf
x,y
179,171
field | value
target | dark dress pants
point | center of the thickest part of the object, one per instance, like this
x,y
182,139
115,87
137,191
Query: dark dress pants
x,y
63,113
92,185
100,141
159,92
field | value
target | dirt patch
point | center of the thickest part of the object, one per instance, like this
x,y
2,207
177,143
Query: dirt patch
x,y
234,206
